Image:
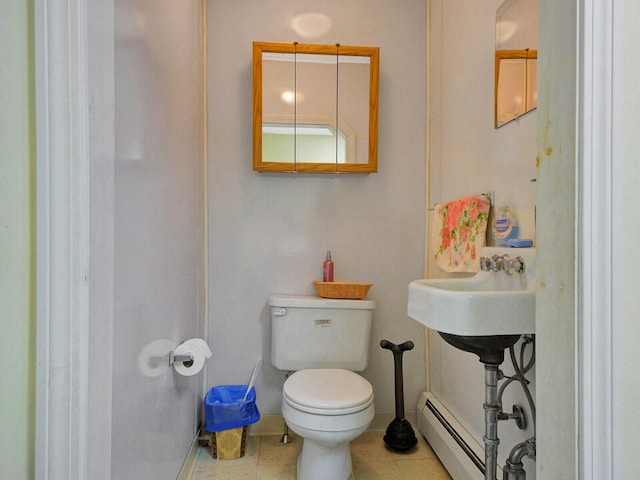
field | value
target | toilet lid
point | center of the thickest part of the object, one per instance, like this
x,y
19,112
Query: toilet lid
x,y
335,391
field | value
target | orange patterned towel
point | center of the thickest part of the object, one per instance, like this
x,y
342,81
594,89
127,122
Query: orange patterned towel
x,y
460,228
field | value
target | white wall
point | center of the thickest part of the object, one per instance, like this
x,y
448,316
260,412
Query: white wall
x,y
627,330
17,233
158,234
467,155
269,232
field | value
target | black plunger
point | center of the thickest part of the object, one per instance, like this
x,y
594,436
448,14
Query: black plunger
x,y
399,434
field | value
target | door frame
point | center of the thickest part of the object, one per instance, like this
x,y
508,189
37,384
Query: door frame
x,y
74,82
598,212
74,112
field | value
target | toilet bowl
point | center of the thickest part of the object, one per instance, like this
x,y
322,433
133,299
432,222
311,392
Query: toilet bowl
x,y
327,408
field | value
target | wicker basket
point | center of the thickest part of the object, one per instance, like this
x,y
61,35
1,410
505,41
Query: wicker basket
x,y
355,291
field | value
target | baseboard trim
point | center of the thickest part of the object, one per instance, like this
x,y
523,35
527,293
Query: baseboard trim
x,y
189,465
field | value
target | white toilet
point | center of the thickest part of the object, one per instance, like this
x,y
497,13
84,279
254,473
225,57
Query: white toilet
x,y
324,341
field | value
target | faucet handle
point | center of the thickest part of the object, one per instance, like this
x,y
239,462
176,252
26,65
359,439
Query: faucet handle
x,y
485,264
493,264
512,265
497,263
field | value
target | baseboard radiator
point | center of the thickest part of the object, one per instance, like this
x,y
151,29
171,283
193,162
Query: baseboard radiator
x,y
459,452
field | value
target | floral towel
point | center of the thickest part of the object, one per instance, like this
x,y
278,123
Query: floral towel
x,y
460,228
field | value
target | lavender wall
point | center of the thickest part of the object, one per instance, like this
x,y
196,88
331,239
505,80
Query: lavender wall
x,y
158,239
269,232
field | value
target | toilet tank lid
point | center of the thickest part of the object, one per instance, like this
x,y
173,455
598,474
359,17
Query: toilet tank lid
x,y
309,301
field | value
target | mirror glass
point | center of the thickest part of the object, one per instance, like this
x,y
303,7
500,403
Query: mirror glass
x,y
278,100
315,108
516,60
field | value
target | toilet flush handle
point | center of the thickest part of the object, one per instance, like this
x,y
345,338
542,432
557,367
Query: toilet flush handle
x,y
280,312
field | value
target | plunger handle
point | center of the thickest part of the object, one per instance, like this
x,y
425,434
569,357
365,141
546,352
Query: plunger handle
x,y
398,350
408,345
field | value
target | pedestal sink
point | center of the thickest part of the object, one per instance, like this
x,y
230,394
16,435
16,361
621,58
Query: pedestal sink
x,y
482,314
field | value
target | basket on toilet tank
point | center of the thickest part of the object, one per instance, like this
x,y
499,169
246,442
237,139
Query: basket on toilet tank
x,y
313,332
356,291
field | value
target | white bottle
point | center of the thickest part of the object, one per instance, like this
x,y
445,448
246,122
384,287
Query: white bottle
x,y
505,226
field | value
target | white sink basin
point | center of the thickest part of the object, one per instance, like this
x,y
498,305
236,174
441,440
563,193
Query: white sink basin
x,y
489,303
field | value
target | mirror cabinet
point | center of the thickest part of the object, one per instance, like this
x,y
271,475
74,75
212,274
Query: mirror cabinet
x,y
315,108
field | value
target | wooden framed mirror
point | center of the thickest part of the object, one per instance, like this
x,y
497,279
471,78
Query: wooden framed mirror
x,y
516,60
315,108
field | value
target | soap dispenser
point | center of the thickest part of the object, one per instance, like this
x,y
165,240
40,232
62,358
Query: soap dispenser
x,y
504,226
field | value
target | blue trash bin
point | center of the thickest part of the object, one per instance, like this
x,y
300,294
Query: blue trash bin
x,y
224,408
227,417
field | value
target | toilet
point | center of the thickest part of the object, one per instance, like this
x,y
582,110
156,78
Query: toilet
x,y
324,341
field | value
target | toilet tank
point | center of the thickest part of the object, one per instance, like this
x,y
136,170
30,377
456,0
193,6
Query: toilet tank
x,y
313,332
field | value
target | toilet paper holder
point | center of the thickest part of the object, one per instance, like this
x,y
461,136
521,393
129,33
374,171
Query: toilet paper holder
x,y
186,359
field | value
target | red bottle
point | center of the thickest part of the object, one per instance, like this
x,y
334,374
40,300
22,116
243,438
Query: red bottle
x,y
327,268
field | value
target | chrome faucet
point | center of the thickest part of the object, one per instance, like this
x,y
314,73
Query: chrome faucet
x,y
506,263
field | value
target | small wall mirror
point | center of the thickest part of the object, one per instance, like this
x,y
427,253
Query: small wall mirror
x,y
516,60
315,108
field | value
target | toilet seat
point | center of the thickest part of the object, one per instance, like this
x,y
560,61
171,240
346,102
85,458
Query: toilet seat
x,y
327,391
328,408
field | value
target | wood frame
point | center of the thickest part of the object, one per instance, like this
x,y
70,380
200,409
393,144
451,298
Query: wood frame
x,y
372,52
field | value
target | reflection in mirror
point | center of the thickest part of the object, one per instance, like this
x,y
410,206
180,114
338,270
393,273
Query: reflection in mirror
x,y
353,106
278,100
516,80
315,108
313,142
516,56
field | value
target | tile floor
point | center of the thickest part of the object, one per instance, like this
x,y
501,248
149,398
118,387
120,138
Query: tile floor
x,y
268,459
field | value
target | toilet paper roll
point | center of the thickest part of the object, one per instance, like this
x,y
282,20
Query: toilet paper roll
x,y
198,349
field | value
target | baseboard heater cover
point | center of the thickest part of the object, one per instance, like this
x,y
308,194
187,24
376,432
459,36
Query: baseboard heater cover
x,y
456,448
456,437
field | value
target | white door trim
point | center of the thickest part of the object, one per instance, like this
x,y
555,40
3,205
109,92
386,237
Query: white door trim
x,y
62,222
596,214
